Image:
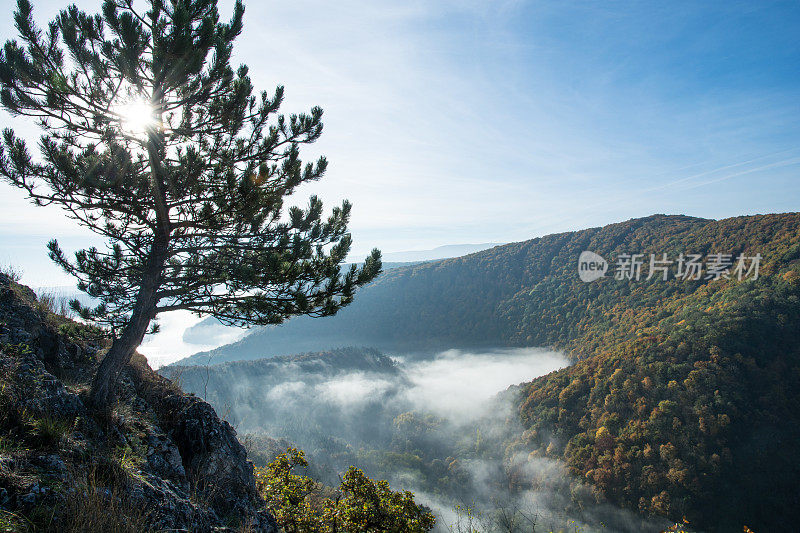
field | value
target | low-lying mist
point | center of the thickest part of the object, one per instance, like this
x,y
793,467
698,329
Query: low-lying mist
x,y
438,424
170,343
459,385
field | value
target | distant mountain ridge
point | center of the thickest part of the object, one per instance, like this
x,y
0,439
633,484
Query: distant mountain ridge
x,y
209,331
440,252
327,362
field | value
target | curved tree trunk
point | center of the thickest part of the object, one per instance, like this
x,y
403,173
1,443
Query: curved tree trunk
x,y
121,351
143,311
115,360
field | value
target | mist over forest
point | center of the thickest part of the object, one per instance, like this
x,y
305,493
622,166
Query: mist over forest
x,y
652,401
431,423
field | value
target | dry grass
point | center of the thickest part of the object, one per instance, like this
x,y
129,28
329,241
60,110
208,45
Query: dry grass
x,y
13,273
14,523
99,501
49,430
49,302
96,499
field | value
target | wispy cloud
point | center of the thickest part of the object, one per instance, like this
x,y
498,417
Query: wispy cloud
x,y
451,122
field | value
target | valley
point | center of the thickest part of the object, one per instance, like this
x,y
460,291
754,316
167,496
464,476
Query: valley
x,y
429,423
672,388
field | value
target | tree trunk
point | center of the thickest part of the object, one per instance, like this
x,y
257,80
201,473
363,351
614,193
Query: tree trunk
x,y
123,346
114,361
143,311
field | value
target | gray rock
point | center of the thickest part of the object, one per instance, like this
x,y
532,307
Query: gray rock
x,y
182,448
164,459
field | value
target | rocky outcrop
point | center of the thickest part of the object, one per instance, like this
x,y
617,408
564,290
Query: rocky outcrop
x,y
211,455
159,460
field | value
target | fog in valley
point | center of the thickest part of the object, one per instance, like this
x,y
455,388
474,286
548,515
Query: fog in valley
x,y
440,425
459,386
170,344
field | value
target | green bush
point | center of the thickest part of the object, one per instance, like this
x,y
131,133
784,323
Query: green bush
x,y
359,505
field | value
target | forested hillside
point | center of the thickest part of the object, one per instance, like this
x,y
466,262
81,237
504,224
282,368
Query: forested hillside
x,y
522,294
687,401
685,395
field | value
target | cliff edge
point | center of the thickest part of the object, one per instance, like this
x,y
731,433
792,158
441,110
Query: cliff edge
x,y
156,460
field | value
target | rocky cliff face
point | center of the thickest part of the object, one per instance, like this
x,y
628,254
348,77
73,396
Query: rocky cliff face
x,y
157,460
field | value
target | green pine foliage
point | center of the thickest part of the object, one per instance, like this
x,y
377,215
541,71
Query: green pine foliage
x,y
190,201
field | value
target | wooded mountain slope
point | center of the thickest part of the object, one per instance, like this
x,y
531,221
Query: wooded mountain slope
x,y
687,401
519,294
686,395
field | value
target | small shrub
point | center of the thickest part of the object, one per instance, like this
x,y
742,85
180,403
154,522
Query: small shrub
x,y
360,504
16,350
129,461
81,332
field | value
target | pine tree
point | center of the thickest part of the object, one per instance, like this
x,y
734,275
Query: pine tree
x,y
191,203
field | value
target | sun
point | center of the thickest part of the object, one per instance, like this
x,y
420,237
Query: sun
x,y
135,116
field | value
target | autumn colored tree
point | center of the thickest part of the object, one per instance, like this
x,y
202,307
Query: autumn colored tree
x,y
155,142
359,505
291,496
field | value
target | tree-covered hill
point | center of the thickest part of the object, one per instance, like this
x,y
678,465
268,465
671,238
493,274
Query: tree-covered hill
x,y
215,381
685,396
521,294
314,398
687,400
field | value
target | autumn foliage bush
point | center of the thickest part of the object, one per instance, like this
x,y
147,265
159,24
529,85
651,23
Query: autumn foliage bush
x,y
359,505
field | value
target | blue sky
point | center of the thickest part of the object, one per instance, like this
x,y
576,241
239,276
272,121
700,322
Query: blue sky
x,y
462,122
